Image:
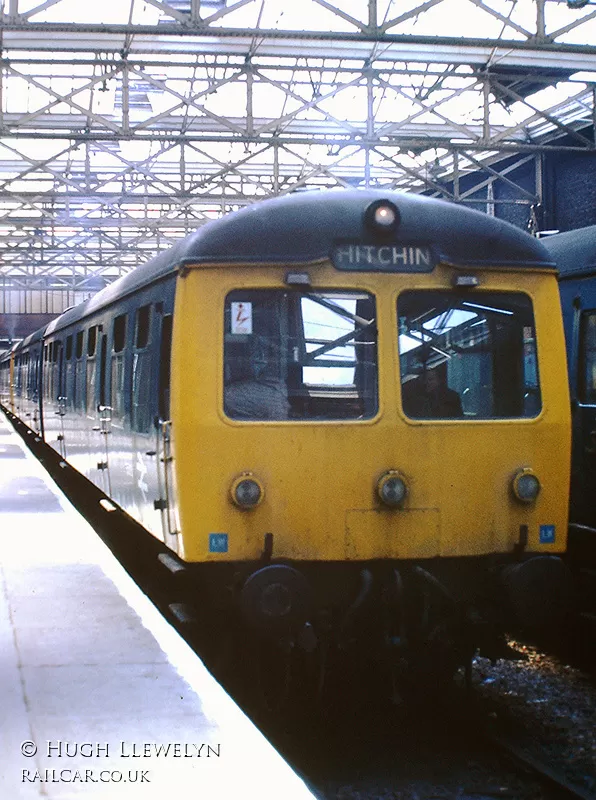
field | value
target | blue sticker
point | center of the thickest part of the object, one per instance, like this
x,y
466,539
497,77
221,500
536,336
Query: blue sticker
x,y
218,542
547,534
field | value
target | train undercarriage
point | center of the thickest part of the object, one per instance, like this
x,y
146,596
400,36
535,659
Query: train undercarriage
x,y
405,626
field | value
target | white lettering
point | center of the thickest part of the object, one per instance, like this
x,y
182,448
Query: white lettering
x,y
345,252
382,259
422,257
400,255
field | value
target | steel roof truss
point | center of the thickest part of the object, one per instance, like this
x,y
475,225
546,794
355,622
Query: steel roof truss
x,y
59,98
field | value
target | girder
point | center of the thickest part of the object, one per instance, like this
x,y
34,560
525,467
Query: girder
x,y
362,46
126,124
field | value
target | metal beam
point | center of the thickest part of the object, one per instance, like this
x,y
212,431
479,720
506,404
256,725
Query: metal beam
x,y
118,136
78,38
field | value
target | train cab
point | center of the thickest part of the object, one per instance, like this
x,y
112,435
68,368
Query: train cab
x,y
365,384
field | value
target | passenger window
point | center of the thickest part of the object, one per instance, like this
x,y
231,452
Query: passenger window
x,y
92,341
587,388
91,382
80,376
119,333
141,391
69,372
142,400
91,367
468,356
143,317
165,352
118,371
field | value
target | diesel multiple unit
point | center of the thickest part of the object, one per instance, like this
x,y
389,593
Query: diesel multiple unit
x,y
346,411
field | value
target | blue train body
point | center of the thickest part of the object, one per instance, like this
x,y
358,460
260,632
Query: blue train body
x,y
575,255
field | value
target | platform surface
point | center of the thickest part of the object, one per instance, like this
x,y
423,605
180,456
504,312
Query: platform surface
x,y
99,696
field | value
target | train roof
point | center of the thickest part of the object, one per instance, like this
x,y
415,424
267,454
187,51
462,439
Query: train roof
x,y
304,228
34,337
23,344
574,251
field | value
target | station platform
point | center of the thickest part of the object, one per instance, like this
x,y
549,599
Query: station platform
x,y
100,697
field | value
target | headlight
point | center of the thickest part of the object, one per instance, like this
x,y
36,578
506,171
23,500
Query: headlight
x,y
382,217
392,489
526,486
246,492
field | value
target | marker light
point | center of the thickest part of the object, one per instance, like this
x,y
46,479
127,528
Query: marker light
x,y
246,492
525,485
392,489
466,281
382,216
297,279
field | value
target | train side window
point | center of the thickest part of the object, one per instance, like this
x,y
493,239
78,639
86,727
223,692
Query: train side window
x,y
587,387
142,400
48,351
55,389
91,367
118,371
119,339
17,373
142,327
165,349
80,371
69,370
92,340
35,375
103,358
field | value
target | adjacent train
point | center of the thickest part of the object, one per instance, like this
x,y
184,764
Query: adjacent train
x,y
346,411
575,254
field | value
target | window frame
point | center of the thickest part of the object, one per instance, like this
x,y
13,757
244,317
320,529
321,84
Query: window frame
x,y
475,299
294,357
584,397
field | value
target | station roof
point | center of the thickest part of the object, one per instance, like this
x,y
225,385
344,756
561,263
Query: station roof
x,y
127,125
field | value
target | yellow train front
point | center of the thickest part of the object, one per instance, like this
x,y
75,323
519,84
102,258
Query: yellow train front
x,y
370,424
347,411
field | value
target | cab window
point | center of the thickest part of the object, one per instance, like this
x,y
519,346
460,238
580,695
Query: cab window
x,y
588,359
468,355
300,356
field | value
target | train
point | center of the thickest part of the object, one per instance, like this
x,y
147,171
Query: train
x,y
344,411
575,254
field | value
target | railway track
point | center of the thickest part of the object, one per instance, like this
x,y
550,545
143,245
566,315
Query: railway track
x,y
462,759
548,777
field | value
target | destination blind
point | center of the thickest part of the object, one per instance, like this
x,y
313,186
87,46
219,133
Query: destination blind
x,y
383,258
